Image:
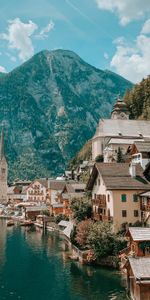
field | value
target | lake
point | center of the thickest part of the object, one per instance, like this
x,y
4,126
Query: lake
x,y
34,266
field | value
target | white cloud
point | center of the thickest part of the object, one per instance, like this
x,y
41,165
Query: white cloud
x,y
133,61
44,32
2,69
146,27
19,37
127,10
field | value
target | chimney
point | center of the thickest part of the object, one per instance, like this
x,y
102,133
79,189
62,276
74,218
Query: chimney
x,y
132,169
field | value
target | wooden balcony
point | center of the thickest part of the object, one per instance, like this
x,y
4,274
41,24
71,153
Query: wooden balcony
x,y
100,201
145,207
101,217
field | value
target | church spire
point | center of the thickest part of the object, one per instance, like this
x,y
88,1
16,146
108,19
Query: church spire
x,y
2,145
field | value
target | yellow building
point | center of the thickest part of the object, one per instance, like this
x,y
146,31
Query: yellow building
x,y
115,188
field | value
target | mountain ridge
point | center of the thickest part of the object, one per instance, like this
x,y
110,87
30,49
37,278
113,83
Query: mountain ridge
x,y
50,107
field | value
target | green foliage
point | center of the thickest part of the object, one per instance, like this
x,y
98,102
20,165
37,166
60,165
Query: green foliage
x,y
120,156
82,208
51,110
99,158
103,241
60,218
82,233
138,100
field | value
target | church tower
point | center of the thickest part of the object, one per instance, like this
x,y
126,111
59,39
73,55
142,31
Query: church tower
x,y
3,171
120,111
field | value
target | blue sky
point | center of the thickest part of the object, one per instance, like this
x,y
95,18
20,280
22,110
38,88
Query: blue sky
x,y
109,34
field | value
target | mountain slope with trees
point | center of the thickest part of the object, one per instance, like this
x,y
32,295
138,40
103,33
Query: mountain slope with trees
x,y
50,107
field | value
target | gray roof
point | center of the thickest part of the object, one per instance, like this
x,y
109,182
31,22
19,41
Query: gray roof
x,y
116,176
56,185
140,267
127,128
57,205
142,146
36,208
63,223
68,229
145,194
122,141
140,233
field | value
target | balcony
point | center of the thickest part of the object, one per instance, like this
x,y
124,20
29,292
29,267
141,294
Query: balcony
x,y
101,217
100,201
145,207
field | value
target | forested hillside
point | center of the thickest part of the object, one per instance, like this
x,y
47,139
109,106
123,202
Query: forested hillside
x,y
138,100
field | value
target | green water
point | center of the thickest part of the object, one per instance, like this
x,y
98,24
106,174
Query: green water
x,y
34,266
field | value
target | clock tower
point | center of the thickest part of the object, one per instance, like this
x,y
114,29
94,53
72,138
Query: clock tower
x,y
3,172
120,111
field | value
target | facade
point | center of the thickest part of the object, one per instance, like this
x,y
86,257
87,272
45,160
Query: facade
x,y
144,199
138,277
140,152
37,191
3,172
136,260
115,188
119,127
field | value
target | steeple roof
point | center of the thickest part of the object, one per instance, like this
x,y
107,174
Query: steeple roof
x,y
120,106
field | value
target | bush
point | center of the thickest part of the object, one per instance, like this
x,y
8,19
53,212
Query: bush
x,y
60,218
81,208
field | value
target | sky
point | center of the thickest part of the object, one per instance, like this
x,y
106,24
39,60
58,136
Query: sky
x,y
108,34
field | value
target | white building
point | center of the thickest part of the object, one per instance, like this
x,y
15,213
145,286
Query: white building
x,y
118,128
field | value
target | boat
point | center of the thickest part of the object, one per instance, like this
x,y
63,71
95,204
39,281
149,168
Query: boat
x,y
10,223
26,223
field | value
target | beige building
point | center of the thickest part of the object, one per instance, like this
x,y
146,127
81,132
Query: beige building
x,y
118,131
3,172
115,188
37,191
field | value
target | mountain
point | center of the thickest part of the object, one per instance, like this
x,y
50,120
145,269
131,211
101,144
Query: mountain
x,y
50,107
138,100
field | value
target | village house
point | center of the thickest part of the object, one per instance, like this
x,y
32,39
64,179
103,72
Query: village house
x,y
71,191
137,262
119,131
115,188
37,191
140,152
55,188
144,199
16,194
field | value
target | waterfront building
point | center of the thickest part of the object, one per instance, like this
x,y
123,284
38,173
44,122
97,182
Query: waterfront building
x,y
144,199
3,172
37,191
136,260
119,131
115,188
138,277
16,194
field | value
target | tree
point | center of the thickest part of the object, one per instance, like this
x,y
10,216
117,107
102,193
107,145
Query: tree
x,y
99,158
81,208
119,156
101,239
82,232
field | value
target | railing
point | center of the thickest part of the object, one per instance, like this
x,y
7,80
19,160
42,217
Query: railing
x,y
101,217
145,207
99,201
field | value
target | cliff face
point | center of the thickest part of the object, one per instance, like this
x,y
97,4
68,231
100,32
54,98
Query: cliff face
x,y
50,106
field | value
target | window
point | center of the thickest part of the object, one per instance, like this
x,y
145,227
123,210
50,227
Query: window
x,y
135,198
99,182
136,213
124,213
108,198
123,198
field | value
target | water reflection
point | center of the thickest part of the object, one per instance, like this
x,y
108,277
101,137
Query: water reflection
x,y
37,267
